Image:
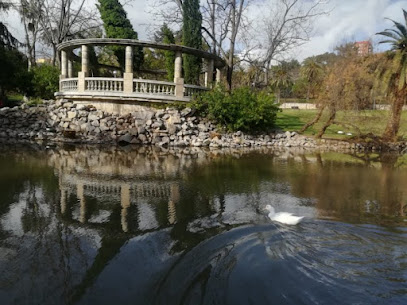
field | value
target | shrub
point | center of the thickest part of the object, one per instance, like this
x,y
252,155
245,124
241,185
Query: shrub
x,y
244,109
45,81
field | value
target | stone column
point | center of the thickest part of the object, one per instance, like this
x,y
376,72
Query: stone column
x,y
70,69
209,73
128,72
85,69
178,65
129,59
63,64
85,60
178,80
218,75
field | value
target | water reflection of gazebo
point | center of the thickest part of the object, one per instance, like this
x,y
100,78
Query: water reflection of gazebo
x,y
128,88
128,193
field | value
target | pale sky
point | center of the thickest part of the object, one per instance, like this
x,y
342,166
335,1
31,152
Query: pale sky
x,y
348,20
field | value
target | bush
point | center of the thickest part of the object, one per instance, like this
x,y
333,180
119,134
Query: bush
x,y
244,109
45,81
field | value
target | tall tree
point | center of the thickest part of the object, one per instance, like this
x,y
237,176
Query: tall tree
x,y
66,19
31,12
393,75
117,25
286,25
281,79
168,37
192,37
6,38
312,71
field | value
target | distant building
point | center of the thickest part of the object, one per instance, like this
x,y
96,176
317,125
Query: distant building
x,y
364,47
43,61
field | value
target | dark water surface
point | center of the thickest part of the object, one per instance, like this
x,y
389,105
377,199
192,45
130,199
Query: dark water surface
x,y
86,225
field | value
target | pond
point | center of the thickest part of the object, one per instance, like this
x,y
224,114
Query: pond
x,y
102,225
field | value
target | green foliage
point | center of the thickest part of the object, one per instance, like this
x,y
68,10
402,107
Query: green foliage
x,y
192,37
168,37
45,81
13,72
242,109
392,73
117,25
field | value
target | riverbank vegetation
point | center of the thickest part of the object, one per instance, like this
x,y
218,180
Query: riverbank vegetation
x,y
344,85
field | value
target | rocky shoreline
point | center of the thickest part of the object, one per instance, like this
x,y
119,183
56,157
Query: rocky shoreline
x,y
66,122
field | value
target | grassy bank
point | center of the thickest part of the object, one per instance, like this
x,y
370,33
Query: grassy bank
x,y
373,121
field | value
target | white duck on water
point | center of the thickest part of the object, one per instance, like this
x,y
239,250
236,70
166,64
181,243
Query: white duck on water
x,y
283,217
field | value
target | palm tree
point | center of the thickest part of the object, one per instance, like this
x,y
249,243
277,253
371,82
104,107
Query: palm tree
x,y
312,71
281,79
392,74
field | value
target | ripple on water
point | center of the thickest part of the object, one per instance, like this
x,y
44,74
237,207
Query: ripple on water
x,y
315,263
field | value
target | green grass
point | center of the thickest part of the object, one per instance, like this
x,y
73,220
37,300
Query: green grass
x,y
368,121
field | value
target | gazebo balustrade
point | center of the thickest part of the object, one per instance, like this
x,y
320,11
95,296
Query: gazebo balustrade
x,y
129,87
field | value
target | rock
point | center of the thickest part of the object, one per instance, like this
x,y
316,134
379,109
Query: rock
x,y
71,114
159,113
186,111
142,138
127,138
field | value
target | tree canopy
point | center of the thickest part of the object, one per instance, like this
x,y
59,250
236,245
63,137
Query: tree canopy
x,y
117,25
192,37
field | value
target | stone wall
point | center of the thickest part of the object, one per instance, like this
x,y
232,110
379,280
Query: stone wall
x,y
60,121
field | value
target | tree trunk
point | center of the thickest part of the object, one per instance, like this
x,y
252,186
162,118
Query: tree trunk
x,y
393,122
328,123
316,119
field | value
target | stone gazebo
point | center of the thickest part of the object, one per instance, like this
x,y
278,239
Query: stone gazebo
x,y
127,89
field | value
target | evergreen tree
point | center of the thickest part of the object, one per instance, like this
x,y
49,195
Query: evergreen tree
x,y
117,25
192,37
168,37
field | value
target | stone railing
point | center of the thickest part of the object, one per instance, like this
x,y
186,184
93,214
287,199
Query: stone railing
x,y
69,84
127,88
104,84
153,87
190,90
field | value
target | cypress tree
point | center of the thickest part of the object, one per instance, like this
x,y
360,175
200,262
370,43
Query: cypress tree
x,y
168,37
192,37
117,25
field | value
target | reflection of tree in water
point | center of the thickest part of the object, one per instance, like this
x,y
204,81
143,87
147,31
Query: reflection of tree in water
x,y
354,187
175,191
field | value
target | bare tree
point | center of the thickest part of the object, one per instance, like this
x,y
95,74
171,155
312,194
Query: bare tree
x,y
66,19
222,23
286,25
31,13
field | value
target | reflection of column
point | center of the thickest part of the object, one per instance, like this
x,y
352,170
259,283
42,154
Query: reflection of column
x,y
81,197
174,198
63,201
125,202
63,194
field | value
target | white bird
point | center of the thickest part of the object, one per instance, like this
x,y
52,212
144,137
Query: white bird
x,y
283,217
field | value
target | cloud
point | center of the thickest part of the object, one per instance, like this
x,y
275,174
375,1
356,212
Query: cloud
x,y
348,20
351,20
